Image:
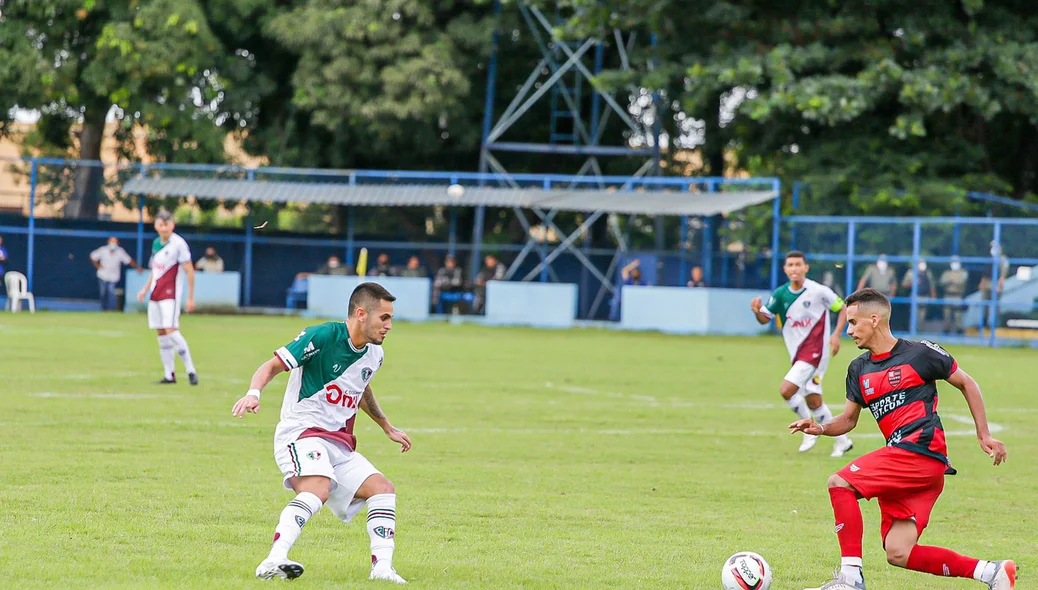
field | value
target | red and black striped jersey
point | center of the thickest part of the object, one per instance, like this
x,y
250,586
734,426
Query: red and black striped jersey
x,y
899,388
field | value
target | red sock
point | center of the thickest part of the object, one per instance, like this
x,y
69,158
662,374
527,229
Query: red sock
x,y
941,562
849,528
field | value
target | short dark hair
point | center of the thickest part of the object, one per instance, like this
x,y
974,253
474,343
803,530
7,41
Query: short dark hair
x,y
868,296
795,254
366,294
164,215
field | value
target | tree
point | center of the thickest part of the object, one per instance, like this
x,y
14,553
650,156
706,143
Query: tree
x,y
155,62
886,107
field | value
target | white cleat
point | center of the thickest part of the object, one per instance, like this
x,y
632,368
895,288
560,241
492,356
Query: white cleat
x,y
285,569
1005,578
840,448
383,570
809,443
840,582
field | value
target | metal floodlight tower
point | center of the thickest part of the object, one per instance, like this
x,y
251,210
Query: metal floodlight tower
x,y
573,130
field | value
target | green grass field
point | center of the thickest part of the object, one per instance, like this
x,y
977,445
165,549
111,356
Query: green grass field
x,y
542,459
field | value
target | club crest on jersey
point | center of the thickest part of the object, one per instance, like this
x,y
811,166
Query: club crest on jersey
x,y
807,304
365,374
894,377
314,455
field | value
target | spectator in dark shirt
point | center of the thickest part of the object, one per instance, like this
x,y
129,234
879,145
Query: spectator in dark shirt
x,y
447,279
414,268
697,277
333,267
382,267
492,270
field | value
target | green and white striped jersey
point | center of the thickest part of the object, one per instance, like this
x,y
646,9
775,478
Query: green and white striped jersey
x,y
328,376
804,315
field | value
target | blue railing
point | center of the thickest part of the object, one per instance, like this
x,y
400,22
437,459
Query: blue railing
x,y
350,244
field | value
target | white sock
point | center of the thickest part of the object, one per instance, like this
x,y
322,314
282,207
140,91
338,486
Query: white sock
x,y
985,571
850,568
167,354
183,350
799,406
382,526
293,517
823,414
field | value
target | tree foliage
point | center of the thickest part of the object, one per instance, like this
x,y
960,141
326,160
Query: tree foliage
x,y
883,106
899,107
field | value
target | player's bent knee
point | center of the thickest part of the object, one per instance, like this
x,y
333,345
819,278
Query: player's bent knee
x,y
375,485
383,485
788,389
835,481
897,554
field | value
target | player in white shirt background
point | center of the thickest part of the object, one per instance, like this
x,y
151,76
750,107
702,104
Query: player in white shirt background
x,y
170,266
803,307
331,367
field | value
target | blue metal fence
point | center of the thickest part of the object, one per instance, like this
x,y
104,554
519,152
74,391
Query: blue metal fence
x,y
268,262
998,255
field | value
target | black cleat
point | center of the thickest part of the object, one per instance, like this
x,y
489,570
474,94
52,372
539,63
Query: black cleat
x,y
192,378
166,381
291,570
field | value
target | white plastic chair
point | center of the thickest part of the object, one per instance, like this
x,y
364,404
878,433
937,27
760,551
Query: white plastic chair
x,y
17,291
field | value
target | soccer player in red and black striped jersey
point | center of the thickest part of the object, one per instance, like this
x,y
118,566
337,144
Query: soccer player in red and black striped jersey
x,y
896,381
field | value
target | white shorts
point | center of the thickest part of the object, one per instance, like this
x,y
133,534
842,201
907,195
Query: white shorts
x,y
806,376
346,469
164,314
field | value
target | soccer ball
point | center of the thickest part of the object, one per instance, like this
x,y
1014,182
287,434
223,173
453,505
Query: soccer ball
x,y
746,571
455,191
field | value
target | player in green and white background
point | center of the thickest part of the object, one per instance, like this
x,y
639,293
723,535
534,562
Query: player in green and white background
x,y
803,307
332,365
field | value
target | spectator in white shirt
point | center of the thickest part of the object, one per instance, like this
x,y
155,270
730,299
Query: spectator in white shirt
x,y
211,262
109,261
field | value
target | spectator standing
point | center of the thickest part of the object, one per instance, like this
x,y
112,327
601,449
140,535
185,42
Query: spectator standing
x,y
927,287
109,260
953,286
880,276
3,256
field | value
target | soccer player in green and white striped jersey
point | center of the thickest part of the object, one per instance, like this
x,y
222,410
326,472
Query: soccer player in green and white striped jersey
x,y
331,367
803,307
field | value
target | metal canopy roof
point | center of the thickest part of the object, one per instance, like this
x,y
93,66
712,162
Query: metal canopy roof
x,y
638,202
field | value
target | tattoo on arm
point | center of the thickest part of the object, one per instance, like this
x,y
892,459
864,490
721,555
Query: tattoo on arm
x,y
370,405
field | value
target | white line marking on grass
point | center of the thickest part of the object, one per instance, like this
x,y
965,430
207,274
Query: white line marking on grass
x,y
49,394
64,330
80,376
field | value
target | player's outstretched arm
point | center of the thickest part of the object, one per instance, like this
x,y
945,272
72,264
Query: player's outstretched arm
x,y
370,407
841,424
756,304
975,400
250,402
